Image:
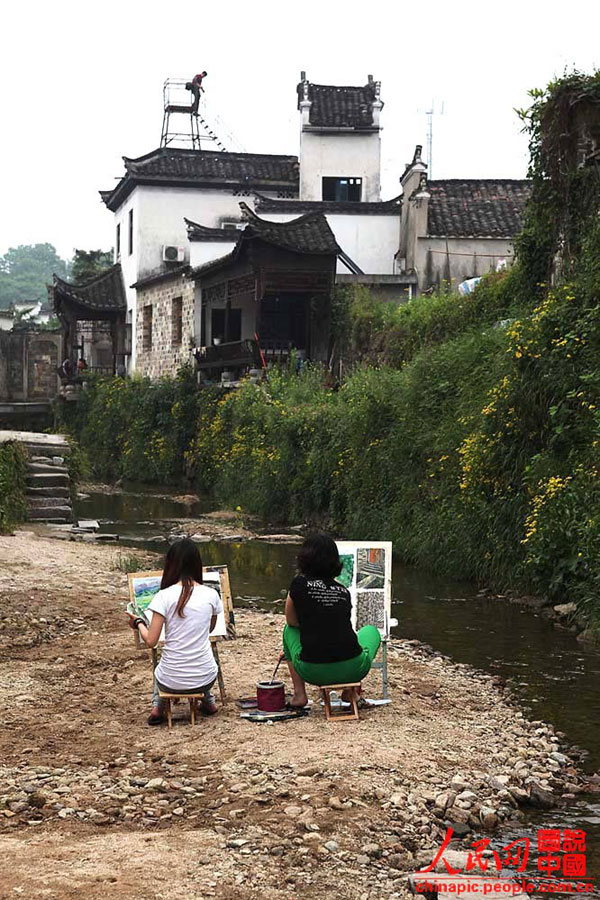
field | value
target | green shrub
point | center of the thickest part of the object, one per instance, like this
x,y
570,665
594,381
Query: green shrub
x,y
13,485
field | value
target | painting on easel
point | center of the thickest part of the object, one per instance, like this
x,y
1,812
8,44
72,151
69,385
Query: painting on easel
x,y
367,573
143,586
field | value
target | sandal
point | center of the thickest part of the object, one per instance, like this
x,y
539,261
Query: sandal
x,y
156,716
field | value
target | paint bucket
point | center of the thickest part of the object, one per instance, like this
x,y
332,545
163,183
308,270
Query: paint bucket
x,y
270,696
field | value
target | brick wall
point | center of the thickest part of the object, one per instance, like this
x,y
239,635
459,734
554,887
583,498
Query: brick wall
x,y
164,335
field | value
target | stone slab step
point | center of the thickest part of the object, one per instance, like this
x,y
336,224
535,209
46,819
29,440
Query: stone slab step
x,y
48,460
45,502
61,513
47,479
46,467
52,521
47,452
52,491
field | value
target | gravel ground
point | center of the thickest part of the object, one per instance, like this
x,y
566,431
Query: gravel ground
x,y
93,802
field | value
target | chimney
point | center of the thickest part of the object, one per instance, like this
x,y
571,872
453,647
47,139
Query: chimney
x,y
304,104
377,104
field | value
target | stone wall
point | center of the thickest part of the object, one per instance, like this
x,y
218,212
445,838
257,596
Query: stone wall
x,y
165,326
28,364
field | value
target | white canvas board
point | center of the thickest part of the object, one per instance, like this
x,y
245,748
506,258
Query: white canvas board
x,y
367,573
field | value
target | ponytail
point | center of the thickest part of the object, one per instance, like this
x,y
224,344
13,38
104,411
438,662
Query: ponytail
x,y
182,563
186,593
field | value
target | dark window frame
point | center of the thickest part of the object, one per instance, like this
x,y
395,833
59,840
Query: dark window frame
x,y
131,232
147,329
343,188
177,321
118,241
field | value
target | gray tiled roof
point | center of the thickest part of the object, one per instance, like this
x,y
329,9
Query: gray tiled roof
x,y
340,106
195,168
385,208
198,232
476,207
309,233
104,292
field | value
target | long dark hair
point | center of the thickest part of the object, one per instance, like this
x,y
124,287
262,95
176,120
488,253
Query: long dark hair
x,y
319,557
182,563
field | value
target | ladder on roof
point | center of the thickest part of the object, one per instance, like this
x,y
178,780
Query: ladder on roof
x,y
212,134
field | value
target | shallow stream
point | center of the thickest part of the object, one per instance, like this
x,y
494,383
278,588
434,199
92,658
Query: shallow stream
x,y
556,677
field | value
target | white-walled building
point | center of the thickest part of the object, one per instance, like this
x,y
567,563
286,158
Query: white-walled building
x,y
177,210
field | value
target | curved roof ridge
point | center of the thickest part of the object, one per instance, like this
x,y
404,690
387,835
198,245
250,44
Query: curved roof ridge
x,y
107,273
253,216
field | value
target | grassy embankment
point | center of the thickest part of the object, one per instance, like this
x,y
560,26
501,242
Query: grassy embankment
x,y
13,485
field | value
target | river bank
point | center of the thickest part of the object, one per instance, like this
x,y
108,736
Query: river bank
x,y
237,809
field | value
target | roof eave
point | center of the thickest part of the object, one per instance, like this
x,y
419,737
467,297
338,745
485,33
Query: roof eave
x,y
345,129
469,237
128,184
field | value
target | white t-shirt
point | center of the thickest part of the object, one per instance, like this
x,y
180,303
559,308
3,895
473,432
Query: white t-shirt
x,y
187,660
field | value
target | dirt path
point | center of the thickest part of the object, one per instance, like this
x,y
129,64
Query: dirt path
x,y
93,801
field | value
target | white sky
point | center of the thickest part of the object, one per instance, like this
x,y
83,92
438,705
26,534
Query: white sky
x,y
81,86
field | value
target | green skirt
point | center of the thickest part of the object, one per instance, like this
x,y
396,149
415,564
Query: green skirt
x,y
343,672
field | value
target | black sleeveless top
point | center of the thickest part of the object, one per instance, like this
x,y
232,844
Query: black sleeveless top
x,y
323,607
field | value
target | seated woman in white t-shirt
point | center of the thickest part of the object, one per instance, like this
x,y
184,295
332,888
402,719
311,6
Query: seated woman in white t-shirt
x,y
188,611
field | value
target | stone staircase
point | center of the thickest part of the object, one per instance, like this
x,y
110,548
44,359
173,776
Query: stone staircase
x,y
48,480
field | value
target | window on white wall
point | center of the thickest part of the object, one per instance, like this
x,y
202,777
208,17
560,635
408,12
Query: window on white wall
x,y
130,232
118,242
342,189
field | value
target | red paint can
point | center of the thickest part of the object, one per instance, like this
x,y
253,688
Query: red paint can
x,y
270,696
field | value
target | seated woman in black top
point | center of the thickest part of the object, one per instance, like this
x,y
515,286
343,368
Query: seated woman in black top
x,y
319,643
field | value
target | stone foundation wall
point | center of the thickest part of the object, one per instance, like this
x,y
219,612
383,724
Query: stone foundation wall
x,y
28,364
166,334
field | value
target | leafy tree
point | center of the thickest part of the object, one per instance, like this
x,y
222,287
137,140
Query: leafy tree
x,y
26,270
86,264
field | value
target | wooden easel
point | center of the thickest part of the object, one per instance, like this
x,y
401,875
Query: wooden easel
x,y
227,600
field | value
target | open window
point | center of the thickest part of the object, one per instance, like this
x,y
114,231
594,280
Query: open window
x,y
340,189
226,325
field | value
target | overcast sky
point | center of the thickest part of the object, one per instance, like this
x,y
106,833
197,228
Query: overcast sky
x,y
82,87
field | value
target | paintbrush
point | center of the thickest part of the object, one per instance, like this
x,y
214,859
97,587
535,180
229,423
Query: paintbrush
x,y
275,669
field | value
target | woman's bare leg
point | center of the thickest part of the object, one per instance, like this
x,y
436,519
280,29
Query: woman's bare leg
x,y
299,697
347,694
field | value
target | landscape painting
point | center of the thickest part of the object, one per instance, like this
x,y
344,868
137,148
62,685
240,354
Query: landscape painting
x,y
143,586
371,568
367,573
346,576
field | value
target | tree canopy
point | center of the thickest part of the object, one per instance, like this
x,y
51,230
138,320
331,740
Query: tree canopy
x,y
27,269
86,264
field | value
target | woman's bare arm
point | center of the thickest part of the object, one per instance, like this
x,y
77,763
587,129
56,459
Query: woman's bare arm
x,y
151,635
291,616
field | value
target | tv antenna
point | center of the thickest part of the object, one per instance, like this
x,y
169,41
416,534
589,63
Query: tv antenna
x,y
430,113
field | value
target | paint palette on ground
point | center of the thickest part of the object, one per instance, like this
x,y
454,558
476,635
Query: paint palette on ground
x,y
367,573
